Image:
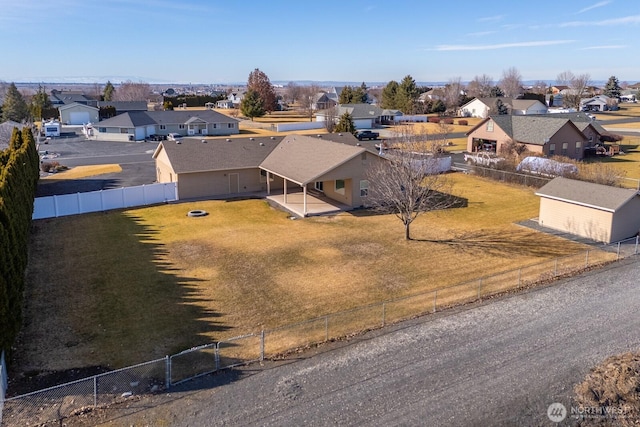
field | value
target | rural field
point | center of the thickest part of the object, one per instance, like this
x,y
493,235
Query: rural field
x,y
118,288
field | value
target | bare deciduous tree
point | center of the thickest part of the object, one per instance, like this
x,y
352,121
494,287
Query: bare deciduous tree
x,y
130,91
511,82
307,100
452,91
480,86
407,185
577,86
330,118
540,87
293,91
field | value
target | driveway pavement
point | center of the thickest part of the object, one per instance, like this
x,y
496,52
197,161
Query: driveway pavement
x,y
501,362
134,157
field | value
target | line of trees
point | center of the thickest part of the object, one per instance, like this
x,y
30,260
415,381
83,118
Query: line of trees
x,y
19,173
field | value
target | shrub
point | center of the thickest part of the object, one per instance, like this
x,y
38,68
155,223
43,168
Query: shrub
x,y
448,120
463,122
434,119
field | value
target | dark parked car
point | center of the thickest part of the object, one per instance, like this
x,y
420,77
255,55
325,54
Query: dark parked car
x,y
367,134
154,137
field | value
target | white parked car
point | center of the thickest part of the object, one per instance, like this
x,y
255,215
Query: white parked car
x,y
174,137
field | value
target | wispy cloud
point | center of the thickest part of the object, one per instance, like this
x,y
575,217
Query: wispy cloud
x,y
626,20
447,47
611,46
495,18
594,6
481,33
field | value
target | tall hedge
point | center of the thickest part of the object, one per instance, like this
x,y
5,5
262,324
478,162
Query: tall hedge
x,y
19,172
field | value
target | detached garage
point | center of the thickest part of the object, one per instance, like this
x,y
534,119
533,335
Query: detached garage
x,y
598,212
78,114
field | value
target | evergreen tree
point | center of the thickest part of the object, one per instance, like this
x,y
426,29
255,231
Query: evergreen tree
x,y
407,94
345,124
259,82
346,95
612,89
500,108
14,108
109,91
39,103
252,105
389,94
496,92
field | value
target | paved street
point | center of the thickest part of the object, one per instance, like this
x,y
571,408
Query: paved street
x,y
498,363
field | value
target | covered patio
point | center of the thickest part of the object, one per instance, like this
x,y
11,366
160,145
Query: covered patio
x,y
310,204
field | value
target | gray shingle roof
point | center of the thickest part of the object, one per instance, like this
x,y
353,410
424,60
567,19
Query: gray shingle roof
x,y
143,118
303,159
193,155
587,194
530,129
128,120
360,111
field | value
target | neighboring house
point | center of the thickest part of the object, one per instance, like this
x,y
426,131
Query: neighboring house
x,y
365,116
122,106
322,101
598,212
558,89
598,103
225,103
333,164
554,100
58,97
485,107
138,125
431,95
546,134
78,114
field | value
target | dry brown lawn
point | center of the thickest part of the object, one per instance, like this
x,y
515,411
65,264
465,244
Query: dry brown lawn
x,y
78,172
119,288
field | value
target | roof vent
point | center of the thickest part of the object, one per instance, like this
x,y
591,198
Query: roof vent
x,y
273,137
178,142
252,139
203,141
228,139
319,136
339,134
262,144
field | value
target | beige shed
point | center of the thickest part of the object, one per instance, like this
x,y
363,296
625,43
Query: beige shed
x,y
598,212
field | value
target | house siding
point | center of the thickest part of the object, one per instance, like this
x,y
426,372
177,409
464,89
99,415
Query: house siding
x,y
626,221
219,183
595,224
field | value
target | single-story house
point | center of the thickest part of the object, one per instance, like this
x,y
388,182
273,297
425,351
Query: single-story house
x,y
332,164
123,106
598,103
598,212
545,134
365,116
484,107
138,125
78,114
58,97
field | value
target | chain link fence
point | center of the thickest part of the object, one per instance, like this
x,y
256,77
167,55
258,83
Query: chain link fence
x,y
59,402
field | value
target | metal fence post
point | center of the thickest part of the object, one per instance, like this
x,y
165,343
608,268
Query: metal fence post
x,y
435,297
262,345
635,251
519,276
217,356
586,261
95,391
167,371
618,252
555,267
326,328
384,312
480,288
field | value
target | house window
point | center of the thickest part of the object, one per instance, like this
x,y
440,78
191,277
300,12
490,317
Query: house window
x,y
230,125
263,176
215,125
578,147
102,129
340,186
565,147
364,188
319,185
163,127
180,126
123,130
552,149
490,126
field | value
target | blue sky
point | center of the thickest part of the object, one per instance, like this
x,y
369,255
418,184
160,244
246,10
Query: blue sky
x,y
211,41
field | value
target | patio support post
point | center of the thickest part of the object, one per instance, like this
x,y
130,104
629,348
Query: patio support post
x,y
304,200
268,183
285,190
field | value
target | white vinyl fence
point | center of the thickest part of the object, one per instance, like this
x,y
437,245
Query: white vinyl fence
x,y
285,127
103,200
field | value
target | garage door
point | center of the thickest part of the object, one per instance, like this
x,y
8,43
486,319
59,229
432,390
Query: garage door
x,y
78,117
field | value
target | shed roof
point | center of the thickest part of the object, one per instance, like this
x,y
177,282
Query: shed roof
x,y
587,194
